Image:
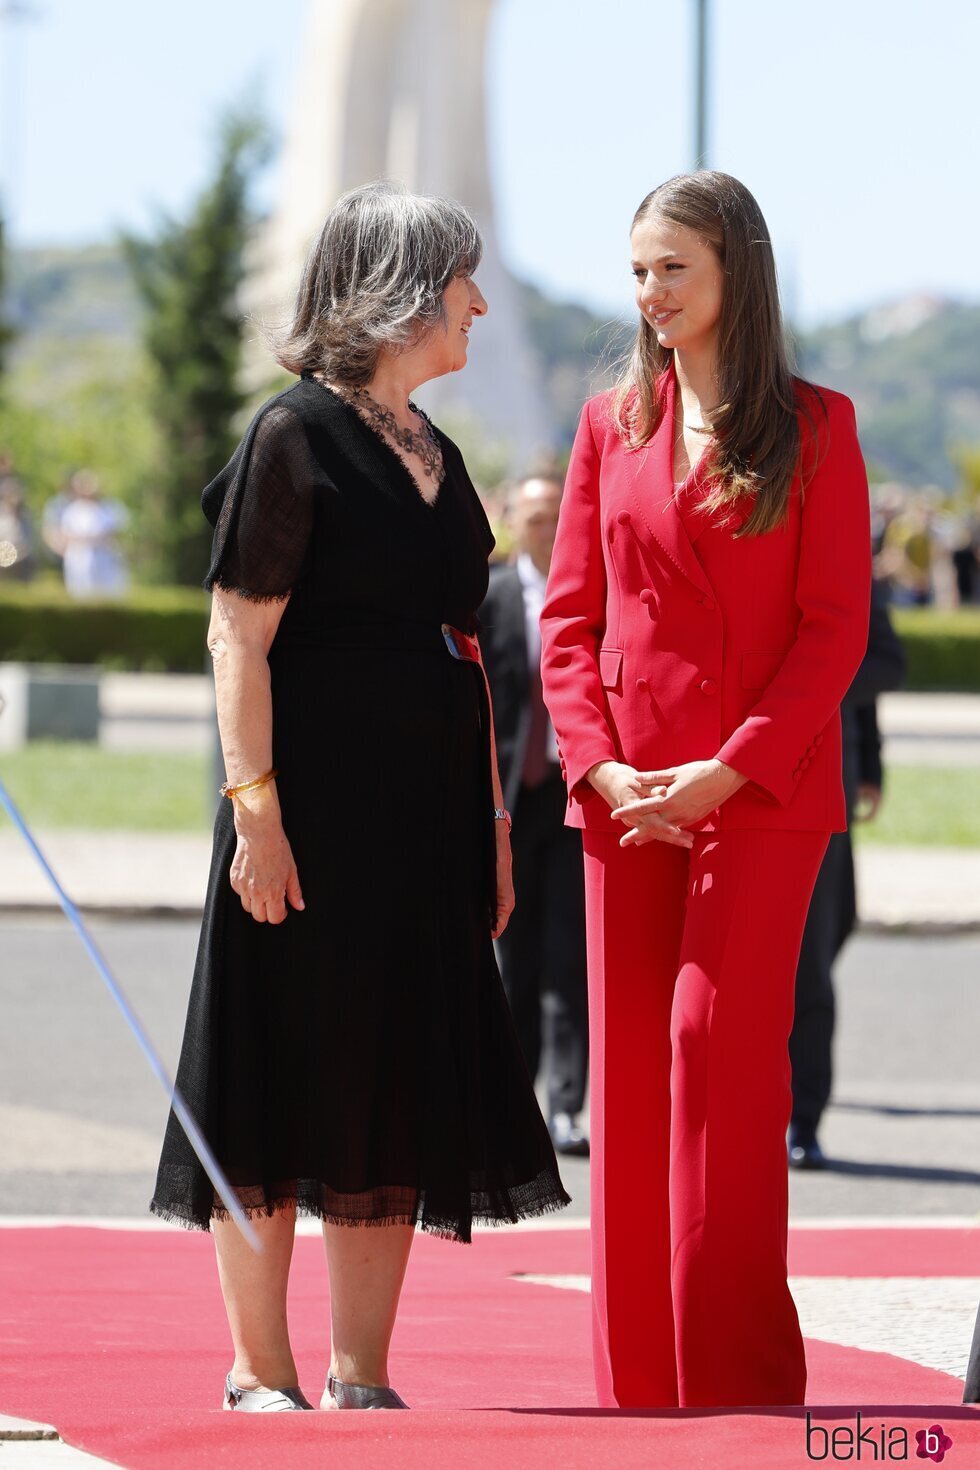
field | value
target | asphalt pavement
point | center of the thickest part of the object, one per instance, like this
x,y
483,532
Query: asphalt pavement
x,y
81,1116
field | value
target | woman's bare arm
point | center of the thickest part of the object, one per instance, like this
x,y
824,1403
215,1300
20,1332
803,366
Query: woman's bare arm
x,y
240,634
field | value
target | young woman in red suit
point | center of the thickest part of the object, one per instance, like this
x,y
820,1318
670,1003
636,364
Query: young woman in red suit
x,y
706,611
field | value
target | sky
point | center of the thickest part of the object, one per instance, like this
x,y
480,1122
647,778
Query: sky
x,y
852,121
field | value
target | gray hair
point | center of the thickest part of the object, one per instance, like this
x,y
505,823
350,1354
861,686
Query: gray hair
x,y
374,280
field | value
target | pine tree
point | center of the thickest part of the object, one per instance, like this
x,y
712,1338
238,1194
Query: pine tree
x,y
188,279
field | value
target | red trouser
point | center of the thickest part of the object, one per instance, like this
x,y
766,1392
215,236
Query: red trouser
x,y
692,962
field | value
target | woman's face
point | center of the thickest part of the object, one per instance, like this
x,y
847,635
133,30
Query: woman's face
x,y
680,283
462,301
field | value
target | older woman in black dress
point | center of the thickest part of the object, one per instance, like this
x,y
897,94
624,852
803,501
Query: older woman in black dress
x,y
348,1049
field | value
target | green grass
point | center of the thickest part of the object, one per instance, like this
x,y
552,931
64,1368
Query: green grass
x,y
80,786
927,806
74,784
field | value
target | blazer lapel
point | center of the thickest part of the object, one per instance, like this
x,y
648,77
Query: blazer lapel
x,y
651,474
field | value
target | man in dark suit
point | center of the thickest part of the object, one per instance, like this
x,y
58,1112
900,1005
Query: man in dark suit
x,y
833,908
542,950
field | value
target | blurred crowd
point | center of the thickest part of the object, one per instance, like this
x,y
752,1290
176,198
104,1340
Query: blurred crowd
x,y
80,532
925,553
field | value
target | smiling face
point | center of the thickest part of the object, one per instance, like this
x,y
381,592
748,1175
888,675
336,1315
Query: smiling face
x,y
462,300
680,283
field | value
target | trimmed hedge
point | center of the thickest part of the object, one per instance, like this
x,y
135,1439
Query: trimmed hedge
x,y
942,647
164,629
158,629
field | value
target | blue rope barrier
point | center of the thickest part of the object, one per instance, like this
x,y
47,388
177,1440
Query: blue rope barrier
x,y
195,1137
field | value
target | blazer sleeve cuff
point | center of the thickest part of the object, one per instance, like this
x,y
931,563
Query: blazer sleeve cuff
x,y
737,752
575,770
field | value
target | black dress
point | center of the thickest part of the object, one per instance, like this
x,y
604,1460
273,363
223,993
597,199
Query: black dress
x,y
359,1058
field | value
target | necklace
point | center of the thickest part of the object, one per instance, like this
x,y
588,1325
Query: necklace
x,y
420,442
695,428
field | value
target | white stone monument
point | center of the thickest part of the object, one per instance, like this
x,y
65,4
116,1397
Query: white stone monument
x,y
395,89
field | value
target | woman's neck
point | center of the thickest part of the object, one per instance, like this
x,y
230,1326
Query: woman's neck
x,y
697,382
393,384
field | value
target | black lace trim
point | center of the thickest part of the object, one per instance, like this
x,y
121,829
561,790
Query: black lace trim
x,y
387,1205
380,422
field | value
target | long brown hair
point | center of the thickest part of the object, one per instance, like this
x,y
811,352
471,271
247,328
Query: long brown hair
x,y
754,453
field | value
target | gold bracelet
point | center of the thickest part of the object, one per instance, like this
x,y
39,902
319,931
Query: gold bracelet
x,y
232,791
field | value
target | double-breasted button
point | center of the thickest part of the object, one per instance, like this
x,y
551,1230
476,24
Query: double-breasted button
x,y
708,686
642,686
708,603
624,517
646,596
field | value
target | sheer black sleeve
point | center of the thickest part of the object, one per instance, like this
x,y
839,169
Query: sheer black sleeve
x,y
261,507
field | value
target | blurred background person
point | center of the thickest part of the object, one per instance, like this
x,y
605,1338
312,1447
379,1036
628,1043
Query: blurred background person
x,y
907,554
833,907
494,503
542,951
51,533
90,526
966,561
17,559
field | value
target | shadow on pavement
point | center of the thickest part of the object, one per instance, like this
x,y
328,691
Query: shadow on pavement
x,y
890,1110
919,1172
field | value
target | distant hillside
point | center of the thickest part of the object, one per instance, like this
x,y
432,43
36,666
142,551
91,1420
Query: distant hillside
x,y
913,369
77,315
575,348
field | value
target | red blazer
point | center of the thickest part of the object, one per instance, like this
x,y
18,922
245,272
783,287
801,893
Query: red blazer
x,y
665,640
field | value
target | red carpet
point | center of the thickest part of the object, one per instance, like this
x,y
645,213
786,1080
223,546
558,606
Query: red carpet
x,y
104,1331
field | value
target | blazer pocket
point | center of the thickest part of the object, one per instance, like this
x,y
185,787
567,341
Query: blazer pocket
x,y
759,669
611,669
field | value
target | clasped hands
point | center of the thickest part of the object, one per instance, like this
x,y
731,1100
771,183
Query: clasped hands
x,y
657,806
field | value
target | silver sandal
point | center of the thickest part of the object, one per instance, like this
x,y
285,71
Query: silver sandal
x,y
363,1395
257,1400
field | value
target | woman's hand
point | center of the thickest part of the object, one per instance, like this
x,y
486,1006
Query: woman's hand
x,y
505,880
624,789
680,794
263,871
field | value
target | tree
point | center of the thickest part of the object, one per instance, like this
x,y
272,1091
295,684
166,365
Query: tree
x,y
7,332
188,280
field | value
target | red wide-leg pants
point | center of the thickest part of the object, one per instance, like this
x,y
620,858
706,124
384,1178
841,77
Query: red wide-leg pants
x,y
692,963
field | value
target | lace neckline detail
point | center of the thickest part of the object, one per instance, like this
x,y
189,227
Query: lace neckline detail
x,y
380,421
